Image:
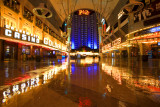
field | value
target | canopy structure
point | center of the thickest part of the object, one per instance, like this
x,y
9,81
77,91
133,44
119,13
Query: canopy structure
x,y
65,7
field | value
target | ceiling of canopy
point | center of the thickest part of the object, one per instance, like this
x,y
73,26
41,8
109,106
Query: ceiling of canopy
x,y
65,7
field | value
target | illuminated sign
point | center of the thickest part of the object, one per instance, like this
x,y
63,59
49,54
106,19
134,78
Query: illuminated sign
x,y
116,42
13,33
48,42
120,14
107,46
155,29
22,36
84,12
108,28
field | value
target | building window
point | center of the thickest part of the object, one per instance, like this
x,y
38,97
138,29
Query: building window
x,y
45,28
12,4
28,14
38,23
51,32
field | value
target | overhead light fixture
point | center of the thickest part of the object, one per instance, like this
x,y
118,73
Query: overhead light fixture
x,y
42,11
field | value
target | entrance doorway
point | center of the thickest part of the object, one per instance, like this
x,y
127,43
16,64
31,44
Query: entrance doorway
x,y
10,51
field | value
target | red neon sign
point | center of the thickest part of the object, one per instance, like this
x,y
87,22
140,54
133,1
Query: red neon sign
x,y
84,12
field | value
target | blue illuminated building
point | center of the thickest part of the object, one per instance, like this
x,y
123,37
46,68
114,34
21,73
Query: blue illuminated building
x,y
84,31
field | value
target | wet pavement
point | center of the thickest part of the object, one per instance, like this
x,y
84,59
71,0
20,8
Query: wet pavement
x,y
86,82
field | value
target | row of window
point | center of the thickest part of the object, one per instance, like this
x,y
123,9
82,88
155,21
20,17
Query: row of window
x,y
12,4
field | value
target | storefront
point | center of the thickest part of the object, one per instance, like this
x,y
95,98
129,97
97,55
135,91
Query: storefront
x,y
19,45
146,43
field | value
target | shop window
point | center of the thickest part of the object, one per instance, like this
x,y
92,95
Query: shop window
x,y
12,4
37,51
26,50
38,23
28,14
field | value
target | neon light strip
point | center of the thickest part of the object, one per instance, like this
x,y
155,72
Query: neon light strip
x,y
29,43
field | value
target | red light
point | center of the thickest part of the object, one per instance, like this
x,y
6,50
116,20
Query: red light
x,y
84,101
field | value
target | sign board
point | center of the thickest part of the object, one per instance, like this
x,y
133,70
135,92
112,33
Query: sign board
x,y
21,36
149,10
84,12
116,42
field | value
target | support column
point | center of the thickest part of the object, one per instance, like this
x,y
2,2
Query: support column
x,y
100,41
69,41
129,52
41,52
120,52
31,52
141,49
144,51
20,52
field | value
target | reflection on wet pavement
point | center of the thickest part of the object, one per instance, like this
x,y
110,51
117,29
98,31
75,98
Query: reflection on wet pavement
x,y
86,82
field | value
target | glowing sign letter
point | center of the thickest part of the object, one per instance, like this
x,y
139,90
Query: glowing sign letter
x,y
24,37
45,41
33,39
17,35
84,12
50,43
29,38
8,32
37,40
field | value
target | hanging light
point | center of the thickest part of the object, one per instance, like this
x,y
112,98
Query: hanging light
x,y
42,11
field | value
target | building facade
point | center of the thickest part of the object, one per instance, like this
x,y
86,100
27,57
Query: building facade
x,y
135,34
24,35
84,30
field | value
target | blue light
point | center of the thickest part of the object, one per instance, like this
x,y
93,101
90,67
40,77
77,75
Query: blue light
x,y
73,68
95,67
89,70
72,46
95,45
155,29
63,56
89,45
